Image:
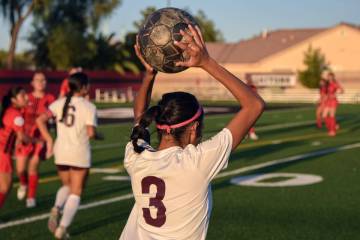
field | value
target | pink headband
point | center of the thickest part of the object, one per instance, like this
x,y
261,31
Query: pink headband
x,y
178,125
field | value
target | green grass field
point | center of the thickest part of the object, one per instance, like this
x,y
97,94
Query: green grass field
x,y
324,210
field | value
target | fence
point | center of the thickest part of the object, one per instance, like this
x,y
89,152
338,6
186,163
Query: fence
x,y
278,95
115,95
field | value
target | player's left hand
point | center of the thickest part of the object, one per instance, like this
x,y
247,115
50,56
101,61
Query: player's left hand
x,y
193,45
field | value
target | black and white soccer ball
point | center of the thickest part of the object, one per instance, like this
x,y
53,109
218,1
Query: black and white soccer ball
x,y
157,36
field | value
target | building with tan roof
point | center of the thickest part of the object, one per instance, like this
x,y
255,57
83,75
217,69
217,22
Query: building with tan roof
x,y
273,59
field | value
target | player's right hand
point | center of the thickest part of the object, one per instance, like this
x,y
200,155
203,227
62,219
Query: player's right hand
x,y
149,69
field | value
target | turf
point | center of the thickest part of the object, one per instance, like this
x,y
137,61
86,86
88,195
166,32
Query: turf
x,y
325,210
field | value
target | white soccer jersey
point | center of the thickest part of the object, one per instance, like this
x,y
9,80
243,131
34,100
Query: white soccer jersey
x,y
72,146
172,189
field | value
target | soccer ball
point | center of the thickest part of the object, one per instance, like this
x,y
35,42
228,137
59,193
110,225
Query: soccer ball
x,y
157,36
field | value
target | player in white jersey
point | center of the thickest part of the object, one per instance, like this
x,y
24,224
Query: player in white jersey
x,y
171,183
76,122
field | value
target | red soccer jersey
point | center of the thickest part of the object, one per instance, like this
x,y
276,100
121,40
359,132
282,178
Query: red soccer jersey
x,y
332,88
323,90
13,122
35,107
64,88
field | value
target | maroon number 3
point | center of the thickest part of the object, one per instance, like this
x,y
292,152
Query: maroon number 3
x,y
155,201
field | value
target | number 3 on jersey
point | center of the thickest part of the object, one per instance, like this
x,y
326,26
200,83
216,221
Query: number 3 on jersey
x,y
154,201
70,117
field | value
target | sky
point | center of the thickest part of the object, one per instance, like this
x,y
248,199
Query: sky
x,y
237,19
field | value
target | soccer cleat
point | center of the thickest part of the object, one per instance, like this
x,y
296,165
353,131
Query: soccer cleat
x,y
61,233
253,136
53,221
30,203
21,192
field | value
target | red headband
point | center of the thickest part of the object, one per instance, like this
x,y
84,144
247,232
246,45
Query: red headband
x,y
178,125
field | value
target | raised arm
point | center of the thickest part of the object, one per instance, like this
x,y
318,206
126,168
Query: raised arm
x,y
251,103
143,97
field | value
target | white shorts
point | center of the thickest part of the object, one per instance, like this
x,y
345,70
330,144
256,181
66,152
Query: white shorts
x,y
80,157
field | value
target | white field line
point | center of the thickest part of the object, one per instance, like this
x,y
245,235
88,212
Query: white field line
x,y
224,174
284,125
258,129
82,207
105,170
116,178
214,116
288,159
105,146
271,111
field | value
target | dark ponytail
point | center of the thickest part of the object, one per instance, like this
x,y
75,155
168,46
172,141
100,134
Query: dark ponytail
x,y
140,131
173,108
6,102
76,82
66,105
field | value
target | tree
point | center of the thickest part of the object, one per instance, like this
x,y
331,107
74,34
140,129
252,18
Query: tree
x,y
109,54
316,64
21,60
64,32
16,12
144,15
209,31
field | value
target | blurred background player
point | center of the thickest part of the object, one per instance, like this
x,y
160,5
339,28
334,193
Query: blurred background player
x,y
331,104
249,82
28,156
64,88
171,184
76,122
11,131
322,102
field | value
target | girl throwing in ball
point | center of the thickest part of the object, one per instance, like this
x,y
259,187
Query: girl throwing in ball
x,y
171,183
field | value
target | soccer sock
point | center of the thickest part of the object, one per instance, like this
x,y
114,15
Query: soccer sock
x,y
252,130
70,209
328,123
61,196
2,199
319,122
23,179
332,124
33,183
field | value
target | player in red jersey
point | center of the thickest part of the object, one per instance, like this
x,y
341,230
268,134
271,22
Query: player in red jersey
x,y
249,82
11,131
332,103
28,156
322,102
64,88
